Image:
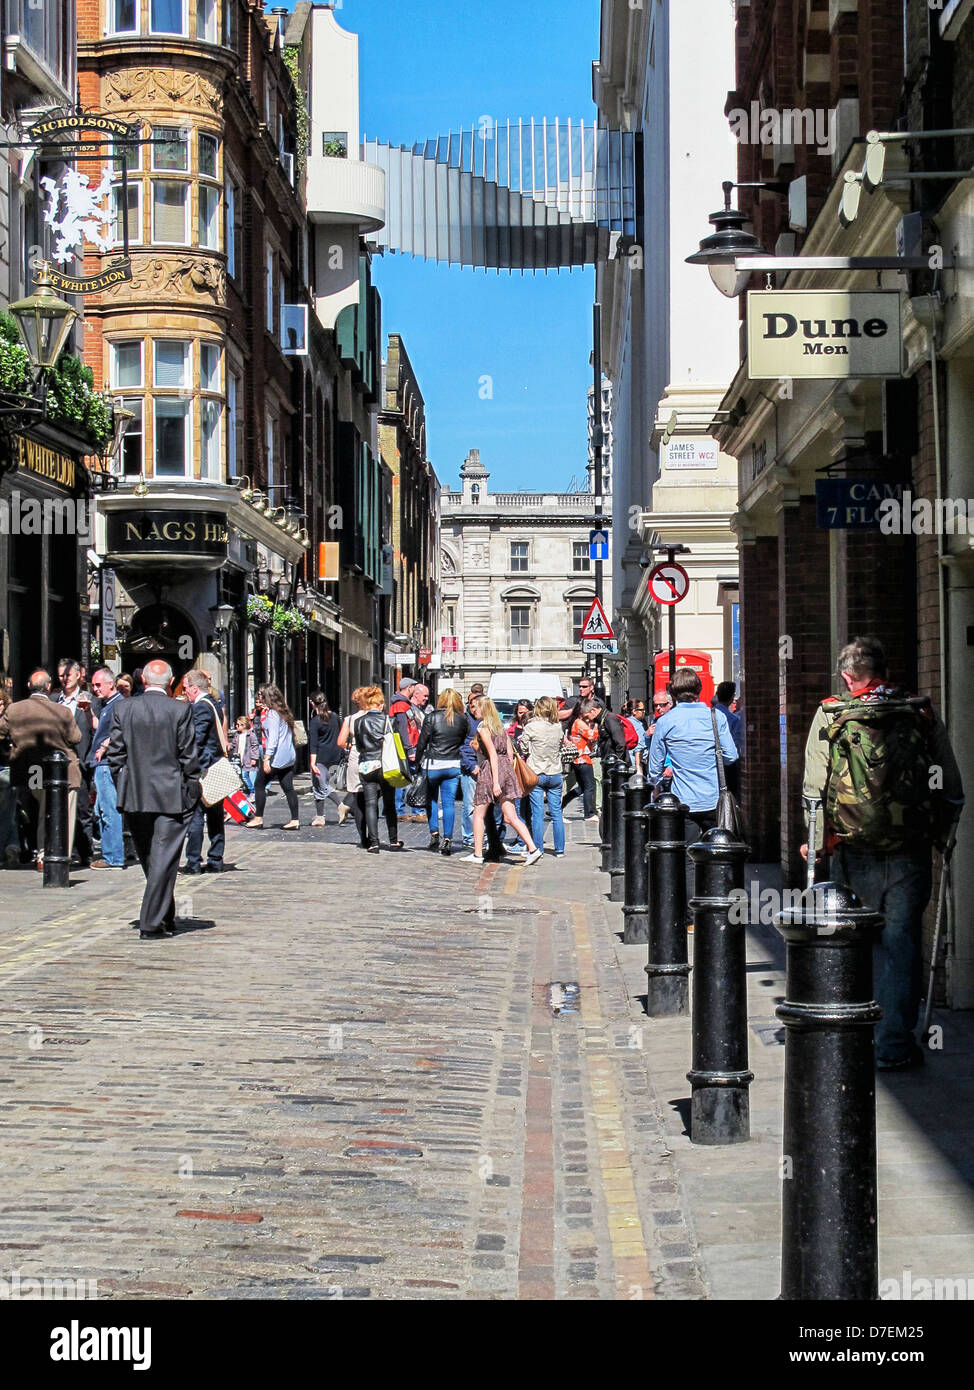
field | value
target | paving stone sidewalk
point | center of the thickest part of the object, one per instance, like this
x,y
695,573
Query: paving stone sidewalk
x,y
343,1078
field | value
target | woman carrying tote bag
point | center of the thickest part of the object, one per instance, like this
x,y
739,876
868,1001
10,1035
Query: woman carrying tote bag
x,y
542,737
370,732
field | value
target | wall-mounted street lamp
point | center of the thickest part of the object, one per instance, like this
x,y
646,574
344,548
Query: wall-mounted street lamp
x,y
720,251
222,615
45,323
732,255
244,487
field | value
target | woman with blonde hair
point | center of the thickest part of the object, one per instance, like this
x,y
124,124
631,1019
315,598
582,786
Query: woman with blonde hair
x,y
441,737
370,730
496,783
542,737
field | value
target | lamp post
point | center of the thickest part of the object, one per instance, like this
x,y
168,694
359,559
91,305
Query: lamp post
x,y
45,323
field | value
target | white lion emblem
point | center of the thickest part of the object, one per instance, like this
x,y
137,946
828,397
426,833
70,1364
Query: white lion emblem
x,y
84,214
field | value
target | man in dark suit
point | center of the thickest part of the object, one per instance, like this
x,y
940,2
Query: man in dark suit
x,y
208,723
152,757
35,726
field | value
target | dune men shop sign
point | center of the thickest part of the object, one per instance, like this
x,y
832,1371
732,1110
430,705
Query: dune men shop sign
x,y
823,334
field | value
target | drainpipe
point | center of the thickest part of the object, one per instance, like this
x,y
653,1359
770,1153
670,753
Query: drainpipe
x,y
928,311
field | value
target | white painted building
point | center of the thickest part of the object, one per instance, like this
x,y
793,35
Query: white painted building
x,y
516,581
670,343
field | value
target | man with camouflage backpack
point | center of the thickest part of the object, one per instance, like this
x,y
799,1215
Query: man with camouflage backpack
x,y
881,763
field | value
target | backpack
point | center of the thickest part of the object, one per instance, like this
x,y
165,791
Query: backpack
x,y
413,725
629,729
877,795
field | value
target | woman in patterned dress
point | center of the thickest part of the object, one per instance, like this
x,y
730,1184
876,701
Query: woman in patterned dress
x,y
496,783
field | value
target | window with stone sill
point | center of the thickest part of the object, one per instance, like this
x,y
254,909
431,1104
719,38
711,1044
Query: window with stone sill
x,y
519,557
581,563
520,625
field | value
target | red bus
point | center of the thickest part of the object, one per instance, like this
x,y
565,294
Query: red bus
x,y
685,656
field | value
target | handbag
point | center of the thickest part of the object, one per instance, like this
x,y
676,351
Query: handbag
x,y
418,794
299,734
527,779
569,755
395,766
220,779
729,814
338,775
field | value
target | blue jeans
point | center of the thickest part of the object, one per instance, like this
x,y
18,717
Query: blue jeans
x,y
468,785
898,885
549,787
109,816
248,774
443,787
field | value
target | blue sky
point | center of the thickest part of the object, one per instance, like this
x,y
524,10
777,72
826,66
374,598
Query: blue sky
x,y
427,68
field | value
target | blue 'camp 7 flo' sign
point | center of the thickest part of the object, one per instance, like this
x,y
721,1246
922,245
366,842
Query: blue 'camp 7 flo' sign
x,y
852,504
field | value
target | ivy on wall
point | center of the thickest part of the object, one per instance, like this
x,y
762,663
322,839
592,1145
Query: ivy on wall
x,y
303,120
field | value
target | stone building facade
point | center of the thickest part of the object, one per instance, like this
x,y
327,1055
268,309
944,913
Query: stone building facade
x,y
517,581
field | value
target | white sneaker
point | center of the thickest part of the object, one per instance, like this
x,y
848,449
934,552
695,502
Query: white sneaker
x,y
473,859
533,857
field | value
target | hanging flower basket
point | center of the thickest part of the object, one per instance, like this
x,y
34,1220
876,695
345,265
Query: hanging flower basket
x,y
260,610
288,622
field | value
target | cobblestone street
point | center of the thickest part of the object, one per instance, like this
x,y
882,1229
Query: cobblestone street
x,y
342,1078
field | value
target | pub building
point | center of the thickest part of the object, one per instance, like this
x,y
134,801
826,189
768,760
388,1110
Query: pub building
x,y
188,559
44,535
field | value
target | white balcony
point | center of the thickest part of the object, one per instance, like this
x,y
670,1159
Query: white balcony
x,y
346,191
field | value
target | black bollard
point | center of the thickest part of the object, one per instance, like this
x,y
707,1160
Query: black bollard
x,y
668,969
57,861
719,1109
617,857
635,910
829,1241
608,811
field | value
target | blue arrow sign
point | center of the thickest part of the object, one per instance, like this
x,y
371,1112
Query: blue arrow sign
x,y
598,545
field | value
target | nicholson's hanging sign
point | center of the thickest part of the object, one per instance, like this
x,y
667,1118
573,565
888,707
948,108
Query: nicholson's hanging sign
x,y
823,334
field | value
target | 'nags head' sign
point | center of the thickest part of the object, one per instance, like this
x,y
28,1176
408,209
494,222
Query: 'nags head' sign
x,y
823,333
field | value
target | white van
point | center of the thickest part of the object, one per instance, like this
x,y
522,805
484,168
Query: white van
x,y
507,687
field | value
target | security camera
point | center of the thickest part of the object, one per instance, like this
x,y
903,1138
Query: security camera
x,y
94,559
644,562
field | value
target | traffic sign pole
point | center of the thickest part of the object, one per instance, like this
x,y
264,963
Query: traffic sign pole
x,y
671,558
597,466
669,584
